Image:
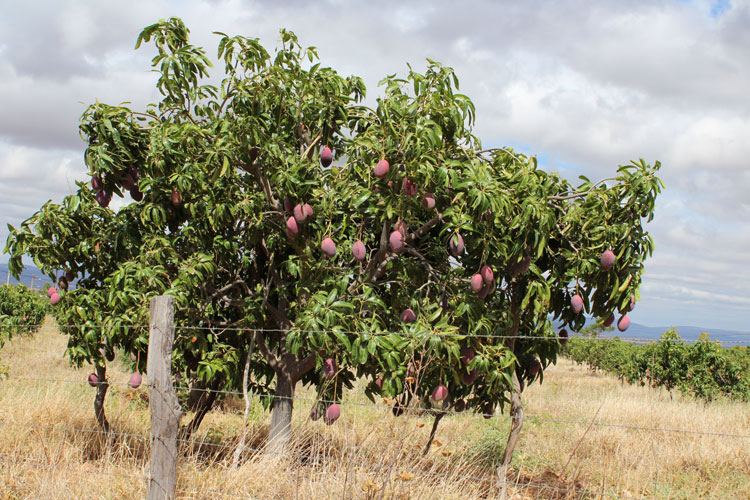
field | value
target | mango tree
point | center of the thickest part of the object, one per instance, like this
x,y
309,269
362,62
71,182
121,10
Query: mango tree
x,y
320,240
21,311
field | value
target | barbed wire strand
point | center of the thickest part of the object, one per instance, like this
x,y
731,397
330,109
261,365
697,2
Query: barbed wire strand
x,y
145,437
72,469
217,492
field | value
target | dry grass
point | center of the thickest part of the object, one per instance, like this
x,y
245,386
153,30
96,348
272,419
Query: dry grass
x,y
50,446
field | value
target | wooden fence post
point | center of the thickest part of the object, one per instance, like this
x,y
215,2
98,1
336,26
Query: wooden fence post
x,y
165,409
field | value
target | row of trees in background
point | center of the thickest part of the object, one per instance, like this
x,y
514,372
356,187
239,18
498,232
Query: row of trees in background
x,y
702,369
309,238
21,311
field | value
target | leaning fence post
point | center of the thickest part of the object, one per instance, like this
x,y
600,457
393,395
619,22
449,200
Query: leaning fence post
x,y
165,409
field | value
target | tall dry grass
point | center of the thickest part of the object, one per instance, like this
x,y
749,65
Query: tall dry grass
x,y
51,448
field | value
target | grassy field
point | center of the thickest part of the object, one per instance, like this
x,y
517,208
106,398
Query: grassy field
x,y
50,446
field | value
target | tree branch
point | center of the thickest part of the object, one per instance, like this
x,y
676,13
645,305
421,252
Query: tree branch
x,y
304,366
430,270
492,150
221,294
265,184
222,324
308,151
583,193
381,268
260,341
427,226
370,271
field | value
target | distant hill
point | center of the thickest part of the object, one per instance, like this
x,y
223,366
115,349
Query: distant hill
x,y
29,275
641,333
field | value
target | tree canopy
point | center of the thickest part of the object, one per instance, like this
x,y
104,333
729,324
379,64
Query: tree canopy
x,y
245,202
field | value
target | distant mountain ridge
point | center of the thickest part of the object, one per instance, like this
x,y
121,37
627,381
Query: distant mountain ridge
x,y
635,332
30,273
638,331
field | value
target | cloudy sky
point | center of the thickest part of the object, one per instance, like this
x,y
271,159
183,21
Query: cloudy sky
x,y
583,85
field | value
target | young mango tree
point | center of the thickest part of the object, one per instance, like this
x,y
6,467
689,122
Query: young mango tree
x,y
415,259
21,311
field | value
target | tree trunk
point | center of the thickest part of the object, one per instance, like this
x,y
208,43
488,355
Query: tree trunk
x,y
101,393
202,404
516,424
432,433
516,409
245,379
281,416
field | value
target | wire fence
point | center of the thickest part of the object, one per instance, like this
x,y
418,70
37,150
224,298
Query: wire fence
x,y
413,409
414,472
486,476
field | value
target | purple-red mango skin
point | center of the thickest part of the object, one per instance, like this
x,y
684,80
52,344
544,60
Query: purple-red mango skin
x,y
299,214
440,393
607,259
410,189
291,226
359,251
487,289
176,197
103,198
381,169
623,323
328,247
408,316
609,320
467,354
396,240
333,412
456,245
487,274
469,378
477,282
576,303
326,157
329,368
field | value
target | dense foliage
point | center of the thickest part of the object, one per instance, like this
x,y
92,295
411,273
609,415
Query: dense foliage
x,y
702,369
247,200
21,311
